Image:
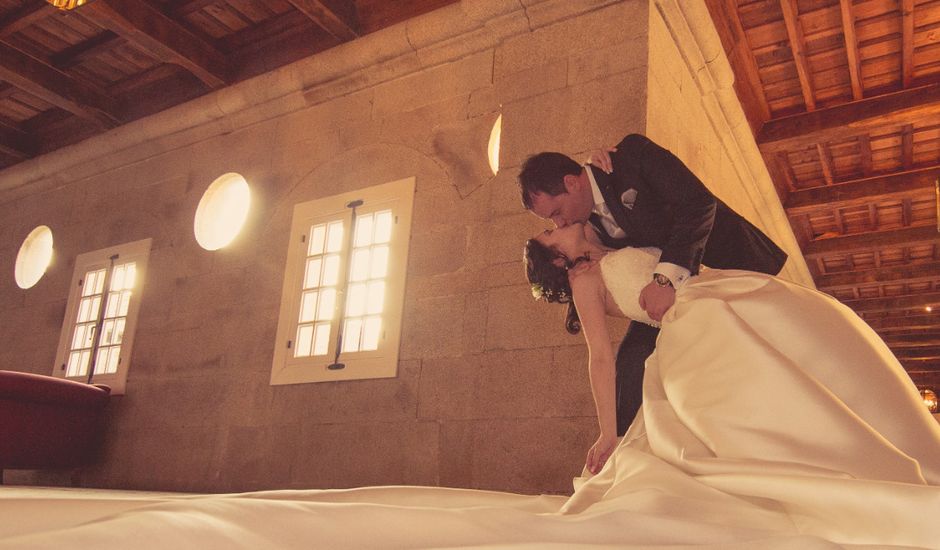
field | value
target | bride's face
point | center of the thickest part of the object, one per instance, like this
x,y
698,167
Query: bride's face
x,y
568,240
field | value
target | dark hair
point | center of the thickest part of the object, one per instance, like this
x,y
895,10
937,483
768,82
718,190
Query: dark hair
x,y
545,173
549,281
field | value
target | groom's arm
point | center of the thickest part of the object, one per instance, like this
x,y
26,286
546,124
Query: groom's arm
x,y
692,205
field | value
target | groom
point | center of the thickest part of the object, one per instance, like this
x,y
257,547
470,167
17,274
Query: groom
x,y
650,198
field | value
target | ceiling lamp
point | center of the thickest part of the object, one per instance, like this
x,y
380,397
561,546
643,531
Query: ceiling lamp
x,y
930,399
67,4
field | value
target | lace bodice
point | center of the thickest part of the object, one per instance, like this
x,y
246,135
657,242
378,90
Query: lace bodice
x,y
626,272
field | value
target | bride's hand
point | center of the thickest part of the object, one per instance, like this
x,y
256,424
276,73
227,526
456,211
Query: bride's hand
x,y
600,452
601,159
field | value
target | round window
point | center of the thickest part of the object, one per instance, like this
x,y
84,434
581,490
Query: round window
x,y
34,257
222,211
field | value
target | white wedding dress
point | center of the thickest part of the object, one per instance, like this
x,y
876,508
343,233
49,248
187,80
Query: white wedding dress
x,y
773,418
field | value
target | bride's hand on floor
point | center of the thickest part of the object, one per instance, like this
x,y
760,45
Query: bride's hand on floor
x,y
600,452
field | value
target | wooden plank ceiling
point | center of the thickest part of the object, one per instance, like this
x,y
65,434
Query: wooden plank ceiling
x,y
843,97
66,76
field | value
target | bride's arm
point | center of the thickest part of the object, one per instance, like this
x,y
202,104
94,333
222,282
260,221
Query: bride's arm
x,y
588,290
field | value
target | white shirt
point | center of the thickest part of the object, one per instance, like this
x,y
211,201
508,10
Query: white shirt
x,y
676,273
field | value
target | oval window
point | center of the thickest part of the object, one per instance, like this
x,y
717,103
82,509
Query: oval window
x,y
222,211
493,148
34,257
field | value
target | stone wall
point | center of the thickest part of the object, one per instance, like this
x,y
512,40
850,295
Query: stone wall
x,y
491,392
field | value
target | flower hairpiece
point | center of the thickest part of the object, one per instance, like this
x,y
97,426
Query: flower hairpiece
x,y
541,293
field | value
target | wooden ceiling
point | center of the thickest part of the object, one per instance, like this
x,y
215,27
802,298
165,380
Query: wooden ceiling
x,y
66,76
843,97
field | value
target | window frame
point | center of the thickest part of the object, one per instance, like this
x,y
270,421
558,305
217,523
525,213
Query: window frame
x,y
137,252
382,362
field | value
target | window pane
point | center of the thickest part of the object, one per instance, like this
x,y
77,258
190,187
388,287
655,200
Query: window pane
x,y
89,339
331,271
111,305
107,333
304,338
351,334
125,303
379,265
89,283
364,230
360,265
312,277
113,357
74,358
327,304
308,306
93,309
101,363
376,298
371,333
118,331
356,300
383,226
117,278
130,276
322,339
99,281
79,337
334,237
317,238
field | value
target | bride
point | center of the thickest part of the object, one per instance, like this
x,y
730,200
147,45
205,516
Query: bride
x,y
778,390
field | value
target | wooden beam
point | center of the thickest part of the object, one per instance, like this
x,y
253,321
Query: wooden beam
x,y
791,19
907,42
864,154
724,14
340,19
863,191
909,236
851,48
927,321
72,56
907,146
17,143
140,23
913,340
928,353
894,303
848,120
24,16
55,87
825,159
915,273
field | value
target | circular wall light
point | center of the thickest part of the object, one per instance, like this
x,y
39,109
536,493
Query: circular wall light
x,y
493,149
34,257
222,211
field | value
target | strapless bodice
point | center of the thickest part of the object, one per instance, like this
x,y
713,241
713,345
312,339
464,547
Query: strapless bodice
x,y
626,272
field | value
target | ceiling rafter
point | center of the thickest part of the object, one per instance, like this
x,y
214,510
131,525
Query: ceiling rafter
x,y
914,273
863,191
825,159
909,236
907,42
339,19
55,87
851,48
16,142
791,18
142,24
849,120
734,39
894,303
24,16
72,56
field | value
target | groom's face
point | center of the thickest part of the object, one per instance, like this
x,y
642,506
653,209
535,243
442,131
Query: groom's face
x,y
571,206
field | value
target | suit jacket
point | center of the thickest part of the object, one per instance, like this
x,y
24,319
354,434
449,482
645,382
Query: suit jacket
x,y
659,202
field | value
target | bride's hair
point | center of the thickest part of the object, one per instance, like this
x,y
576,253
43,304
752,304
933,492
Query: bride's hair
x,y
550,281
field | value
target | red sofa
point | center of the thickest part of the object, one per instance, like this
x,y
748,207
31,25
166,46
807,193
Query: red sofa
x,y
48,422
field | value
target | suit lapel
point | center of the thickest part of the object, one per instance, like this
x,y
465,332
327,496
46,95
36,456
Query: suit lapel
x,y
611,195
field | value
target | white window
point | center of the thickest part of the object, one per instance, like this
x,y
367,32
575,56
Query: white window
x,y
98,329
344,286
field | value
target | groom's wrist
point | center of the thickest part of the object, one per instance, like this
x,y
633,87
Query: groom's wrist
x,y
662,280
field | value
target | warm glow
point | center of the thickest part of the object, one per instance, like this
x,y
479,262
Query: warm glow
x,y
67,4
34,257
493,148
930,399
222,211
929,309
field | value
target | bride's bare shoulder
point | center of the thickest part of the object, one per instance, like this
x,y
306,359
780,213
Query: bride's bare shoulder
x,y
585,275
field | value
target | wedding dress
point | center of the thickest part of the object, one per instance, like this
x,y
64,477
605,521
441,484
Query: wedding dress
x,y
773,418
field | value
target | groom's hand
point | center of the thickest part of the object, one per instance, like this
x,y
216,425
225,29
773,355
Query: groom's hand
x,y
656,300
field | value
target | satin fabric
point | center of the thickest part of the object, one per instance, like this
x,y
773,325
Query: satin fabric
x,y
773,418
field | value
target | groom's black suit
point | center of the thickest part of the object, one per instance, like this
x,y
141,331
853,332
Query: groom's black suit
x,y
657,201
